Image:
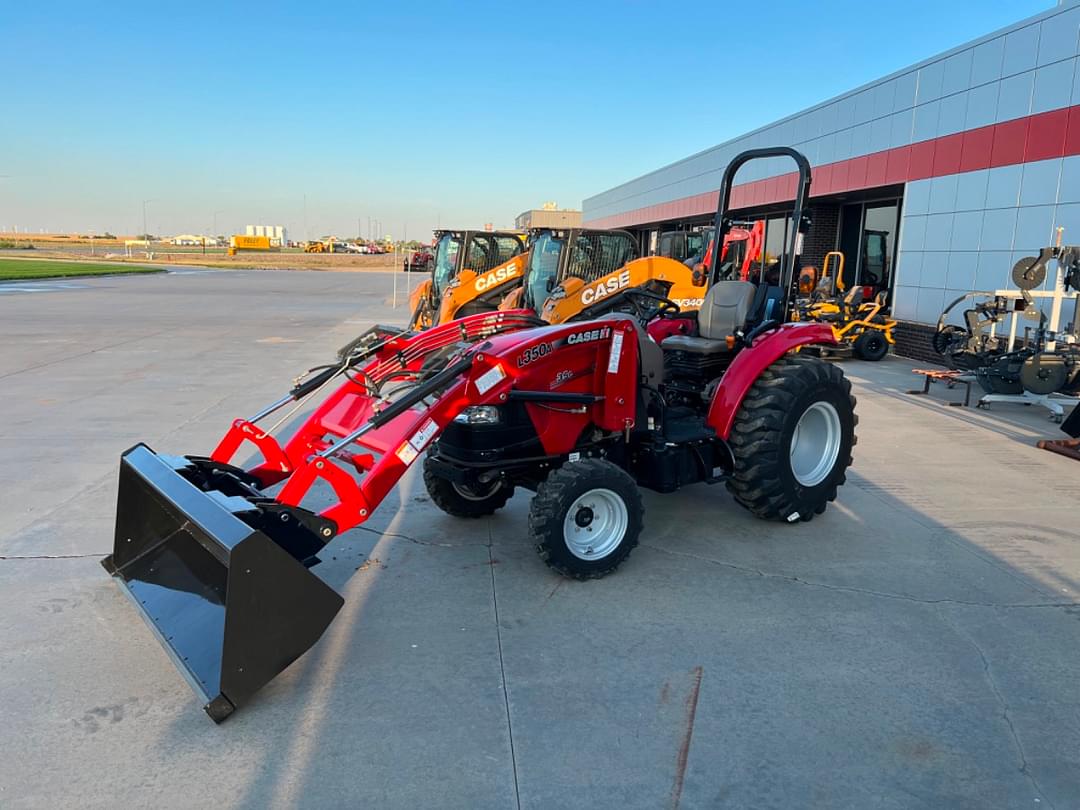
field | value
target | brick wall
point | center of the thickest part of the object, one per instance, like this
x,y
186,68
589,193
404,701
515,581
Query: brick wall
x,y
823,235
913,340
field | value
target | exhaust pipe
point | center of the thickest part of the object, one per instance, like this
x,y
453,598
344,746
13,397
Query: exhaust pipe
x,y
222,579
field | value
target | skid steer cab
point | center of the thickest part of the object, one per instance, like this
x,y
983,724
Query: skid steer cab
x,y
577,274
472,271
218,558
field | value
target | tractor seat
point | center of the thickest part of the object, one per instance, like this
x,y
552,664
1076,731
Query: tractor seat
x,y
724,312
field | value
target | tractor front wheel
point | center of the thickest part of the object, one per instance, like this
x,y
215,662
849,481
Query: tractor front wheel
x,y
585,518
792,439
464,501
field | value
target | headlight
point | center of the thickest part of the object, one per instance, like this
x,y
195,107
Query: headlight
x,y
478,415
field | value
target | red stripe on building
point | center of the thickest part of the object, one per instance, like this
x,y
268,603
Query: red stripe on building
x,y
1023,140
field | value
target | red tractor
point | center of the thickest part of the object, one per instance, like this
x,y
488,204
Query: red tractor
x,y
583,414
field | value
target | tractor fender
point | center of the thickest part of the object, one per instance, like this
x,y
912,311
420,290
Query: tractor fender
x,y
752,361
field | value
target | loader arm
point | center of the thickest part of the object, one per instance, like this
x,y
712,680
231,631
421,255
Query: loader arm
x,y
219,569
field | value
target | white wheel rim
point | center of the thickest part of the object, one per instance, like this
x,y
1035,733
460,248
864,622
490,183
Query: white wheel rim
x,y
470,495
595,524
815,445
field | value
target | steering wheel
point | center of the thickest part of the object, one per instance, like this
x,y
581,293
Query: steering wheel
x,y
648,305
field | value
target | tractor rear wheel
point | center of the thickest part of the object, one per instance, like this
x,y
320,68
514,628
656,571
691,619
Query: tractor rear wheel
x,y
585,518
792,439
871,345
464,501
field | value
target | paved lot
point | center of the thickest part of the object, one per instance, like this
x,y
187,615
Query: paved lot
x,y
916,646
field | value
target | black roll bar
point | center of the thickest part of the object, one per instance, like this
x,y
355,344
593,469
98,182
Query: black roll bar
x,y
723,222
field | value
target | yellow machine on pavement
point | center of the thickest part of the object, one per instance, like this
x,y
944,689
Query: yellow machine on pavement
x,y
861,327
576,273
472,272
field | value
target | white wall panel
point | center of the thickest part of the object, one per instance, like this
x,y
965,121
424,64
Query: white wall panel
x,y
931,302
986,61
938,236
904,97
966,231
1058,36
1021,50
910,268
1039,182
1069,185
957,75
929,85
961,272
934,268
904,302
1014,96
1003,186
942,194
971,190
953,116
1053,86
926,121
997,230
917,197
1034,228
913,233
981,106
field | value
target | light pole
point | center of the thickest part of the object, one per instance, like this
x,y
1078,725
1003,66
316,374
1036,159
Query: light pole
x,y
145,232
215,234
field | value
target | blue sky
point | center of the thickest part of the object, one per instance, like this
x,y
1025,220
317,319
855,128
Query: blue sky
x,y
411,113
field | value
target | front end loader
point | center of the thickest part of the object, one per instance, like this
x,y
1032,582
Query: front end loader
x,y
218,558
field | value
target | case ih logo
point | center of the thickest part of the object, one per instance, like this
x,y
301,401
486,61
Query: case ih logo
x,y
496,277
586,337
603,289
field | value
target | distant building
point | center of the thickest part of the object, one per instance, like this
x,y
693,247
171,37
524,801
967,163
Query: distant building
x,y
193,239
275,233
548,217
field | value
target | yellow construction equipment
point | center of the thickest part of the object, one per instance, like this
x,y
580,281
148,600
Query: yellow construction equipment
x,y
240,242
472,272
577,273
862,328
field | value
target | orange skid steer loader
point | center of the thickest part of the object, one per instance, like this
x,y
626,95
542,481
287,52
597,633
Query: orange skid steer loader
x,y
472,272
576,274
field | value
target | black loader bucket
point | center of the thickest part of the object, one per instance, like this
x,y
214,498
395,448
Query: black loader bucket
x,y
231,606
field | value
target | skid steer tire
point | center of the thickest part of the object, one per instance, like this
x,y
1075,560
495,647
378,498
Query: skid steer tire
x,y
585,518
781,473
871,345
459,501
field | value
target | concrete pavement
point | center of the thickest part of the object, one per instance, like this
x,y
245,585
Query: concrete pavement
x,y
916,646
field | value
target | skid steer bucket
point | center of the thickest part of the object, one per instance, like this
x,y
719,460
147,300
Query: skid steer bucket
x,y
232,607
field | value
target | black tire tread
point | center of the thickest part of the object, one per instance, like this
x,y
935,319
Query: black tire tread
x,y
755,481
861,342
545,515
443,496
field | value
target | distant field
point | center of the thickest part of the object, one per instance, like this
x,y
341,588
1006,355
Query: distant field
x,y
27,269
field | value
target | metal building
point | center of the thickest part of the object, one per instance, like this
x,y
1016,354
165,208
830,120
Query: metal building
x,y
275,233
967,161
547,218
